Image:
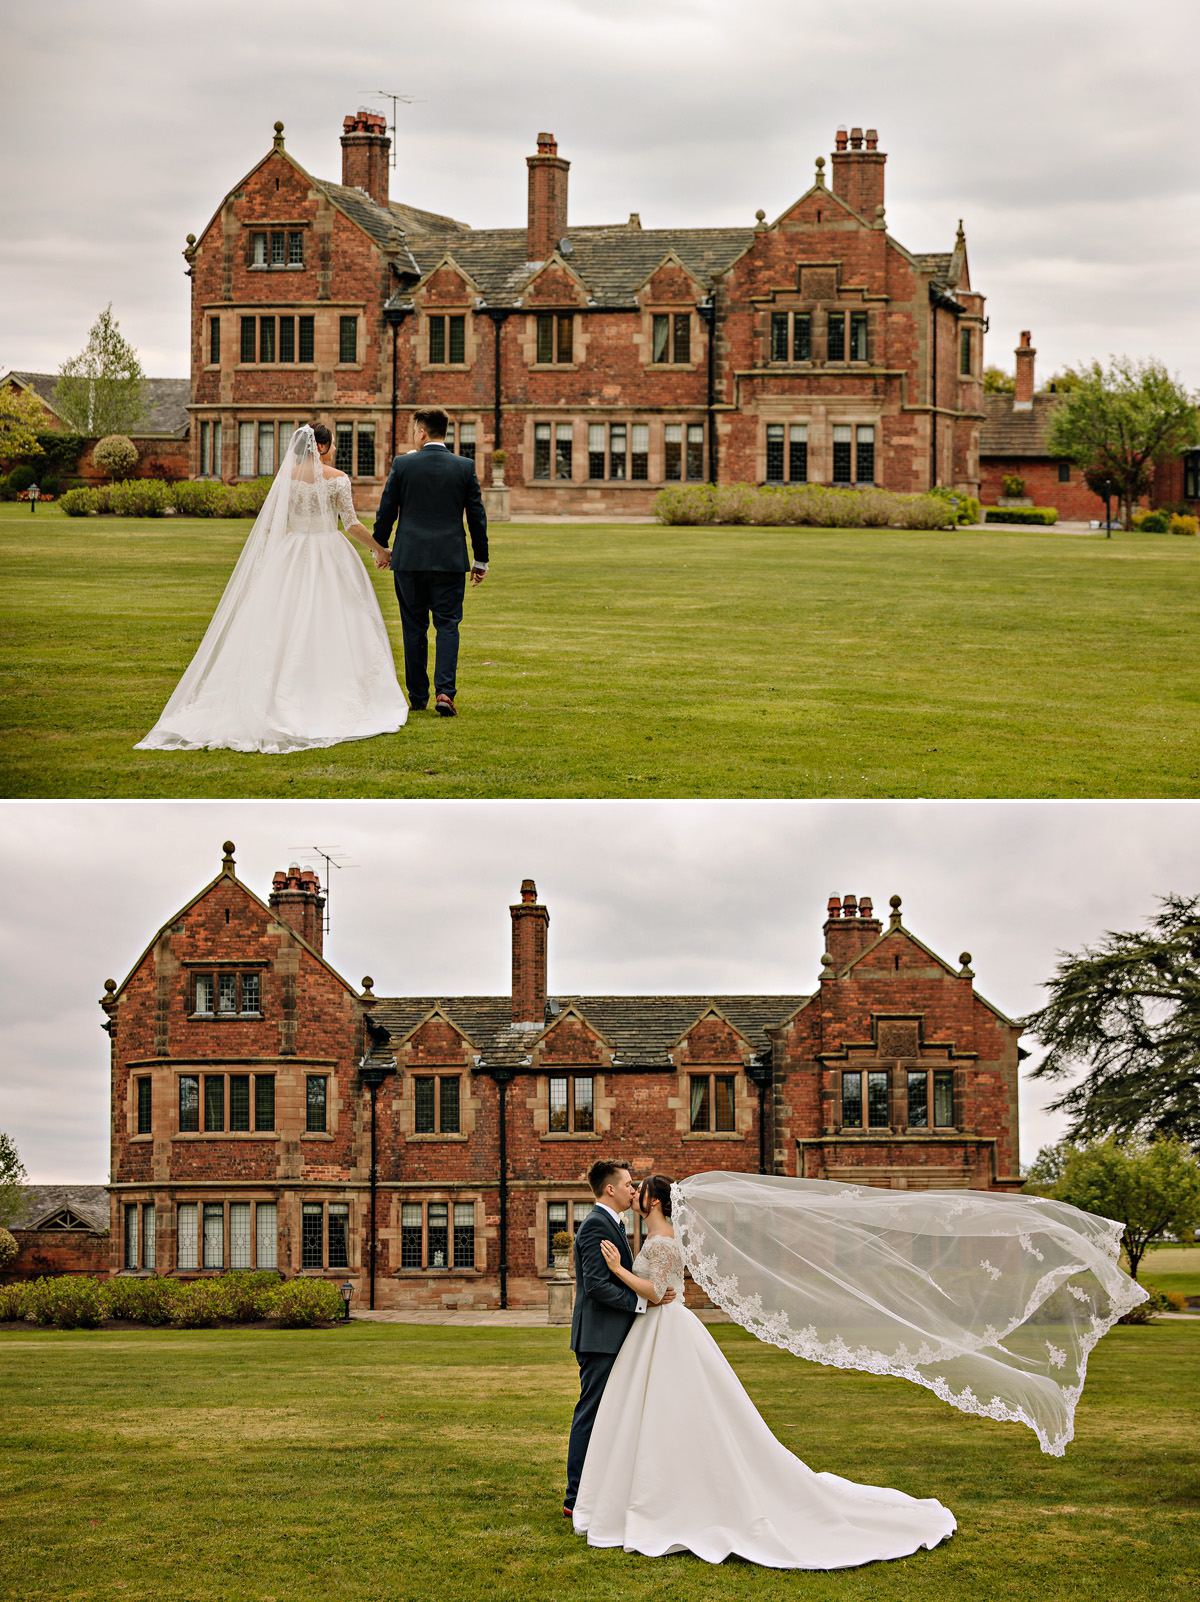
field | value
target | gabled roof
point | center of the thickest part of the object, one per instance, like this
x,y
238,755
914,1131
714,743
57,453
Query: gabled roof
x,y
899,929
166,401
1008,433
54,1205
641,1030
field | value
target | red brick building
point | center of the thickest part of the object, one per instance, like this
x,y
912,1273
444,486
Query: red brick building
x,y
61,1229
607,360
161,438
245,1070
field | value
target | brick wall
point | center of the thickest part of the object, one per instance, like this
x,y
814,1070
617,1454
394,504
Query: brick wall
x,y
45,1252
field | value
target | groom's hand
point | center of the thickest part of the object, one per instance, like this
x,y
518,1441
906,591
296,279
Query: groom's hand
x,y
668,1296
383,559
478,574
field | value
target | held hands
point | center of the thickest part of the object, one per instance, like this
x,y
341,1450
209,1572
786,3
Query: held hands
x,y
383,557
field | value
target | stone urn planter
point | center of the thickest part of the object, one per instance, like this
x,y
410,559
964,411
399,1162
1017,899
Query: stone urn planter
x,y
499,459
561,1290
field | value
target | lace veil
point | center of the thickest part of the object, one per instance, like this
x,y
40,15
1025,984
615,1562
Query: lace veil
x,y
991,1301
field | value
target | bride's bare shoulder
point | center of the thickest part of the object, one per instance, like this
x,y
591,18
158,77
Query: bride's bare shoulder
x,y
331,472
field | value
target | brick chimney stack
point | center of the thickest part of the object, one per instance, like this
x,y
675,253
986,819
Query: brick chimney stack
x,y
851,926
530,920
296,899
547,199
857,176
365,150
1025,354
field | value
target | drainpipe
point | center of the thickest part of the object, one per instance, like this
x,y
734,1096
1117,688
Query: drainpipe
x,y
373,1071
933,472
394,316
762,1076
498,318
709,316
503,1077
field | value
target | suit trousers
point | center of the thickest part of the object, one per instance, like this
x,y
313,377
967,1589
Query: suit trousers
x,y
594,1369
421,594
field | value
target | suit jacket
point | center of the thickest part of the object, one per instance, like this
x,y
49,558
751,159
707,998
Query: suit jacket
x,y
604,1308
426,495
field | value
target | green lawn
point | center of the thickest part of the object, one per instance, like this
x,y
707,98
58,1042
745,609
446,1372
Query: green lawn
x,y
406,1464
1172,1268
648,661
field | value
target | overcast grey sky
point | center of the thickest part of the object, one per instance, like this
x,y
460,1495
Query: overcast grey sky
x,y
1061,131
654,897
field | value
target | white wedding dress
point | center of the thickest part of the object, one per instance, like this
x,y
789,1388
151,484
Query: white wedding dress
x,y
680,1460
296,655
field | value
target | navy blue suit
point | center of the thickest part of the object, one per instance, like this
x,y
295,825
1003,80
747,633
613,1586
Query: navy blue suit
x,y
603,1316
427,494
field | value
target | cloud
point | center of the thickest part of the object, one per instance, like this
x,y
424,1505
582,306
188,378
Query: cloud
x,y
644,898
1061,137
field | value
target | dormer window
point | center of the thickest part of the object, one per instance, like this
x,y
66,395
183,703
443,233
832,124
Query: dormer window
x,y
672,338
555,338
447,341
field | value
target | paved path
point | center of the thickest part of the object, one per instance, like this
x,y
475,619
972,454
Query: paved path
x,y
511,1318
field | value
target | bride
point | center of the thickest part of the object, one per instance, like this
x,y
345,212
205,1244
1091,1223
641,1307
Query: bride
x,y
884,1282
681,1460
296,655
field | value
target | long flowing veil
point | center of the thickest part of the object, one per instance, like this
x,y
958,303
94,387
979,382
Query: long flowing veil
x,y
991,1301
243,598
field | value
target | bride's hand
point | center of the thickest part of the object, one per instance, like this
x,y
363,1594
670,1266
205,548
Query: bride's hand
x,y
611,1255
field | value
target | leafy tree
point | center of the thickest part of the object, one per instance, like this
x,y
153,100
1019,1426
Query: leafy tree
x,y
1150,1186
1064,382
1045,1171
1119,419
115,455
1129,1009
997,382
21,415
102,390
12,1177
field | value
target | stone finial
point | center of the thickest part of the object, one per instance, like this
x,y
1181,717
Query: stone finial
x,y
760,221
819,180
828,966
960,238
894,903
880,217
635,220
110,985
191,239
965,971
227,863
367,984
278,136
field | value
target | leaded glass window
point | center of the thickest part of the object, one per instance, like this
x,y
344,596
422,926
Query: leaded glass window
x,y
245,450
205,450
239,1102
250,992
556,1220
227,992
673,450
266,339
616,451
132,1220
266,1234
662,339
448,1104
144,1106
189,1102
305,338
964,350
312,1253
943,1098
343,447
464,1234
559,1115
798,453
835,337
541,450
683,337
149,1235
843,436
249,328
802,337
595,450
582,1088
366,450
437,340
214,340
565,331
877,1100
779,336
775,435
699,1102
260,250
723,1101
239,1235
858,336
278,250
315,1100
339,1235
564,444
214,1103
456,339
466,441
545,338
864,455
186,1233
439,1239
214,1235
410,1235
640,443
918,1100
695,450
852,1111
296,249
264,1101
266,450
287,339
347,339
423,1106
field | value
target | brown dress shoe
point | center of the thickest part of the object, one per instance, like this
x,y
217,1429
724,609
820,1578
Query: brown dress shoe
x,y
446,707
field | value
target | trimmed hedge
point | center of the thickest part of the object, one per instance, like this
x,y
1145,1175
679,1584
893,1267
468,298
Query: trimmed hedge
x,y
78,1301
1046,515
151,497
798,505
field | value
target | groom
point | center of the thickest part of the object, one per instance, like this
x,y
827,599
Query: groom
x,y
426,495
604,1308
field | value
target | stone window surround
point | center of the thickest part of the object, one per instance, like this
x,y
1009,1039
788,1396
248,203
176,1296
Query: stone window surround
x,y
450,1199
405,1103
353,1235
579,340
171,1213
273,1067
820,442
897,1070
645,340
607,415
819,312
538,1230
744,1105
324,313
538,1104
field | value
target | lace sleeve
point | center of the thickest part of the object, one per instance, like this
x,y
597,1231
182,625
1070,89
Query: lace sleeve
x,y
345,503
662,1259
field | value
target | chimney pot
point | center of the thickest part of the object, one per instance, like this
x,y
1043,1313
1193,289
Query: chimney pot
x,y
850,930
296,900
546,222
1024,386
365,154
858,174
835,906
849,906
872,139
839,138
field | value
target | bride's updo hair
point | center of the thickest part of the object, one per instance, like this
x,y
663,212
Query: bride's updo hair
x,y
321,434
655,1187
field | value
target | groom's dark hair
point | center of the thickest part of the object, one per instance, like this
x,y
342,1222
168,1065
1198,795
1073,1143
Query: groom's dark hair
x,y
601,1172
433,420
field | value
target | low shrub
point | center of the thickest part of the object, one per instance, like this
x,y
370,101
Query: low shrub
x,y
303,1303
1013,486
21,478
246,500
1181,523
201,498
1144,1312
139,497
80,502
143,1301
1151,522
116,455
563,1241
249,1297
1021,514
12,1301
797,505
69,1301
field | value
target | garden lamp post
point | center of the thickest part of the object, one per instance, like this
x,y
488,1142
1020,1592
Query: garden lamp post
x,y
33,492
347,1290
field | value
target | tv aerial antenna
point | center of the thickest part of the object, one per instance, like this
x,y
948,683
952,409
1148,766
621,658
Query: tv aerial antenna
x,y
330,859
396,100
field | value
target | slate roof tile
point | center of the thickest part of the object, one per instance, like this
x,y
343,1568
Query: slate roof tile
x,y
1008,433
39,1202
166,400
